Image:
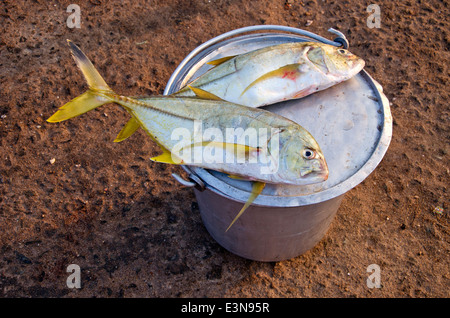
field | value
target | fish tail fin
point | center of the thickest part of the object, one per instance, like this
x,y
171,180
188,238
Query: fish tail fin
x,y
95,96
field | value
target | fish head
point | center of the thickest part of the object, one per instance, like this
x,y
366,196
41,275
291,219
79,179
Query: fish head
x,y
335,62
301,159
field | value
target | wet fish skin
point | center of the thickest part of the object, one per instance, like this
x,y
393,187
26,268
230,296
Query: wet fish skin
x,y
161,115
299,159
273,74
277,73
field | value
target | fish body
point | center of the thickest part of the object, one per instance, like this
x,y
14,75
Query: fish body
x,y
277,73
270,75
248,143
205,127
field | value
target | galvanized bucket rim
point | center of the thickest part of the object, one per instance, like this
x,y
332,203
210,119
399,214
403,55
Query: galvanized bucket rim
x,y
207,180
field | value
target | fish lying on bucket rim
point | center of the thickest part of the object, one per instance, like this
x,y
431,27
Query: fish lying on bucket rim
x,y
272,74
299,158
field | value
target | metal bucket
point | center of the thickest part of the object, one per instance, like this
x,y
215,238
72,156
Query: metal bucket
x,y
352,124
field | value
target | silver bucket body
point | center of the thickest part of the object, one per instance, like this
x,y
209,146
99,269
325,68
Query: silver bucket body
x,y
351,122
266,233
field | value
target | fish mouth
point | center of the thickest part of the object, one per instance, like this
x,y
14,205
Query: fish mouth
x,y
315,177
354,66
357,66
322,170
317,173
323,175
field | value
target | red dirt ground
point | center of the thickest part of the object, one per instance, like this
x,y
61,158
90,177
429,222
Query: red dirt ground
x,y
133,230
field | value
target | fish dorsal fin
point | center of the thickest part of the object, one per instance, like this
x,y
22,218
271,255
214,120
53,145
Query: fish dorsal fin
x,y
221,60
130,127
290,71
257,188
200,93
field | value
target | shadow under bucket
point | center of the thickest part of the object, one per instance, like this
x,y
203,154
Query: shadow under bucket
x,y
351,122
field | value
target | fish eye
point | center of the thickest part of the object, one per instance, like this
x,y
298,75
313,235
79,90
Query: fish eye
x,y
309,154
343,51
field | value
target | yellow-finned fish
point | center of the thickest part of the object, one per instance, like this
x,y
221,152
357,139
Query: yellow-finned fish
x,y
247,143
277,73
272,74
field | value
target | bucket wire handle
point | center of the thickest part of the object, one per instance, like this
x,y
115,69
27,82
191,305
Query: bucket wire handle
x,y
195,182
340,39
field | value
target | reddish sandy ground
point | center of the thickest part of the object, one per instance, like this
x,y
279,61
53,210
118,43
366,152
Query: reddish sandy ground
x,y
133,230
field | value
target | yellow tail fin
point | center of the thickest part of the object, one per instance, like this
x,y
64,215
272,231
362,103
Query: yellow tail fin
x,y
77,106
94,97
93,78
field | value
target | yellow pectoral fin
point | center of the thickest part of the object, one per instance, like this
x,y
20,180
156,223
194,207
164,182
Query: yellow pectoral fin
x,y
256,190
200,93
240,152
225,145
130,127
290,71
221,60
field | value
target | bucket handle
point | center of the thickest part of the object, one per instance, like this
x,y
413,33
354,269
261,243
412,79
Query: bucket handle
x,y
195,181
341,40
